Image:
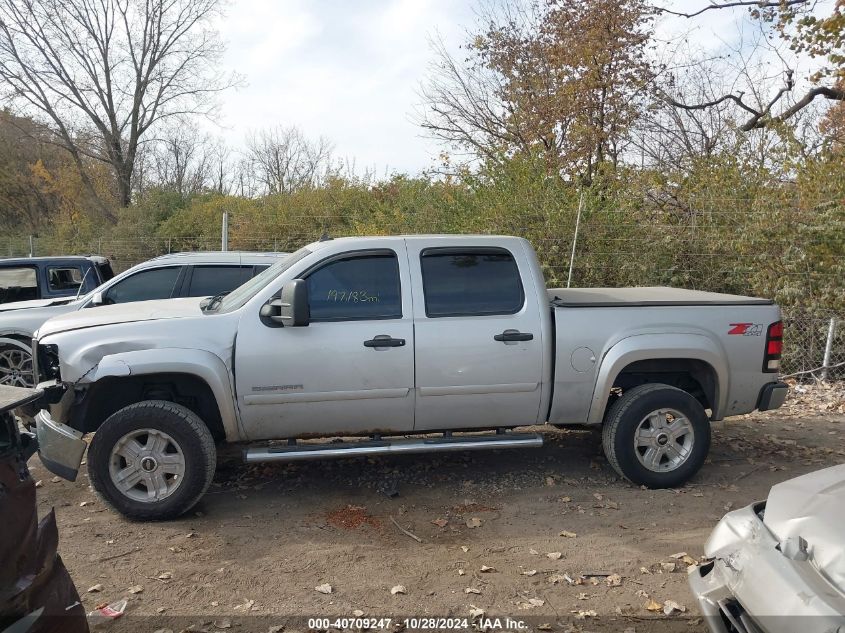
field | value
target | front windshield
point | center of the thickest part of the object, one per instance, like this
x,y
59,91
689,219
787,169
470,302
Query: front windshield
x,y
240,295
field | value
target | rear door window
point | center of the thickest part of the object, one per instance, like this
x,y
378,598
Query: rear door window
x,y
19,283
64,279
470,282
207,281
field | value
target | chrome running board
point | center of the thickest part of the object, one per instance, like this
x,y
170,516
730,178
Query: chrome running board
x,y
447,443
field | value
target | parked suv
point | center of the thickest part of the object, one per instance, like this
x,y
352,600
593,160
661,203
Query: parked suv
x,y
165,277
30,281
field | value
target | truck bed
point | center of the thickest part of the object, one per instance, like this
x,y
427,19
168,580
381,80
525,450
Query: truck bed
x,y
645,297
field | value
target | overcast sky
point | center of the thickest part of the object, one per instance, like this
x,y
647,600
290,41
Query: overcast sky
x,y
350,71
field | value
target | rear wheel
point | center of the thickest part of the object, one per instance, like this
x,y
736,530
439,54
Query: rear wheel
x,y
152,460
16,363
656,435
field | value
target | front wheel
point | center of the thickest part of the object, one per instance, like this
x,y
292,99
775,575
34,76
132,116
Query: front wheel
x,y
656,435
16,363
152,460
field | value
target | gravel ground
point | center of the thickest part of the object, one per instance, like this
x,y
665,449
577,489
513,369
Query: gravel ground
x,y
548,537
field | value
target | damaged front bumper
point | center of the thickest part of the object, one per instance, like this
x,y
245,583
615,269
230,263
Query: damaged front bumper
x,y
60,447
751,586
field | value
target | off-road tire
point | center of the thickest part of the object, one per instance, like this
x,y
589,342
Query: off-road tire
x,y
181,424
623,418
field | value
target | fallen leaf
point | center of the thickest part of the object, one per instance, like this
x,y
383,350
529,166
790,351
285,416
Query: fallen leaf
x,y
544,627
324,588
473,522
472,590
582,615
56,480
475,612
678,555
464,548
165,575
533,552
529,572
136,589
95,588
536,602
486,570
441,522
82,504
161,609
614,580
461,572
554,555
583,596
568,534
358,613
565,499
644,570
556,578
246,606
652,605
398,589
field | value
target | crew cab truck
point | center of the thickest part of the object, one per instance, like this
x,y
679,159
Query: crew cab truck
x,y
395,339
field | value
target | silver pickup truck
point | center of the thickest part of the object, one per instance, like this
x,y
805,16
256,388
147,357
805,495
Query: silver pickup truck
x,y
414,344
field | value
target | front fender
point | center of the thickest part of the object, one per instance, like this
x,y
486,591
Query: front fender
x,y
657,346
199,363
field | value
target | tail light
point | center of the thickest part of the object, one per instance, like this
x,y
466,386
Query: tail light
x,y
774,348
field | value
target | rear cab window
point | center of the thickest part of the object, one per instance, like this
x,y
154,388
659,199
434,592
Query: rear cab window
x,y
471,281
18,283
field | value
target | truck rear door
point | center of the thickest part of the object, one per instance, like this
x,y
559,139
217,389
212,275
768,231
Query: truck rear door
x,y
479,343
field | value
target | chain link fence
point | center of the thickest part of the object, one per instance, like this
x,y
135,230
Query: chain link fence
x,y
814,346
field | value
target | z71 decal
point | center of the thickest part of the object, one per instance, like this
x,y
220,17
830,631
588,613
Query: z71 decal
x,y
746,329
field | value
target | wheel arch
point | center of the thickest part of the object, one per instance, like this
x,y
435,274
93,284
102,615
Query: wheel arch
x,y
691,362
197,380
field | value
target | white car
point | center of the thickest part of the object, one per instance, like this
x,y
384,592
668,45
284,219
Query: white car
x,y
165,277
779,565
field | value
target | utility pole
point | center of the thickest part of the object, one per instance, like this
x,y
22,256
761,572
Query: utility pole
x,y
575,239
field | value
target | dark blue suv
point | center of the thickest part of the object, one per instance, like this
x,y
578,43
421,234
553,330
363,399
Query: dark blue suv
x,y
34,278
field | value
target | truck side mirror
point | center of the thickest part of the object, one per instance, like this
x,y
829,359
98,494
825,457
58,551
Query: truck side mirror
x,y
97,299
290,308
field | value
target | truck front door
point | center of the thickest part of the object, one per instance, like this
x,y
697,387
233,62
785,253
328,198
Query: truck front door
x,y
479,341
351,370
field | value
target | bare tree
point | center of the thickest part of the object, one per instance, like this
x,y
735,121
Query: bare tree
x,y
283,160
802,32
103,72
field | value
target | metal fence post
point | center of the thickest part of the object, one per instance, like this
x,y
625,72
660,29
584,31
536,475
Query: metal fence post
x,y
828,348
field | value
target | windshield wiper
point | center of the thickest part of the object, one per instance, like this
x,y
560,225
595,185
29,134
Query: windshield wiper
x,y
210,304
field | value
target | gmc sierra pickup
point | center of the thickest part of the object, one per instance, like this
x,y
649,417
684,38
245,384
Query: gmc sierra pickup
x,y
416,343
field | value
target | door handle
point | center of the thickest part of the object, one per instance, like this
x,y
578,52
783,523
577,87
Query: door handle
x,y
384,340
513,335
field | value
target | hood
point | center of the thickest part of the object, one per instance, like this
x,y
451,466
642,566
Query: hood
x,y
813,507
123,313
35,303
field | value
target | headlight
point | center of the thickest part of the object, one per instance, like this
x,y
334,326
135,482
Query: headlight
x,y
47,362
